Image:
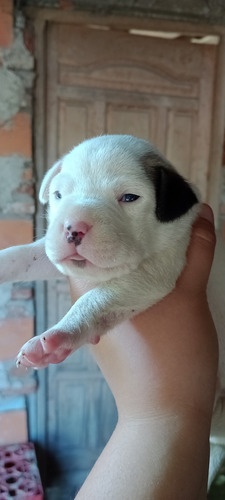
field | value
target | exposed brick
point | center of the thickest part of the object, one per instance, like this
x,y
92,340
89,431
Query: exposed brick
x,y
6,23
16,138
15,232
13,425
29,37
27,174
14,332
21,292
26,188
6,6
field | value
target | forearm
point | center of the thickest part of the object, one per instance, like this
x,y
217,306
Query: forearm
x,y
160,447
161,457
162,371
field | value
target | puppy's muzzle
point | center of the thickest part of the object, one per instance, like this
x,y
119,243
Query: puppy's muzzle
x,y
75,232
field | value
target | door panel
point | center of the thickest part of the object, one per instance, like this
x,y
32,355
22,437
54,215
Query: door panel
x,y
102,81
132,120
77,396
74,120
179,146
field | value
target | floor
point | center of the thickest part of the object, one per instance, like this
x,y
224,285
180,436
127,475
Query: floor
x,y
217,490
57,493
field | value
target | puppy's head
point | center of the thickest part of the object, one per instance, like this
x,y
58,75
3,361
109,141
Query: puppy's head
x,y
114,201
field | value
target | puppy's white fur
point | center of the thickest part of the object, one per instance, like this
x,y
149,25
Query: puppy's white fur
x,y
124,236
131,256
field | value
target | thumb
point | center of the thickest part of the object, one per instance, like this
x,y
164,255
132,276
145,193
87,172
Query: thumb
x,y
200,252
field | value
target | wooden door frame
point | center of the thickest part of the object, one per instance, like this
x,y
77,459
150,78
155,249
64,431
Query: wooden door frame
x,y
40,17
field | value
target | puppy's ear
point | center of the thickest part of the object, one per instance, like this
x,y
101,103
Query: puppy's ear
x,y
44,189
174,195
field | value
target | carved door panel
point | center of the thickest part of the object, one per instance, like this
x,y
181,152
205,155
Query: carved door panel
x,y
102,81
105,82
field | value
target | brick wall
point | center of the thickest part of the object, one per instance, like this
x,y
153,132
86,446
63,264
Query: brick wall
x,y
16,211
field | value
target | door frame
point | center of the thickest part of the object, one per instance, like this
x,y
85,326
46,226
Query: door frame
x,y
40,17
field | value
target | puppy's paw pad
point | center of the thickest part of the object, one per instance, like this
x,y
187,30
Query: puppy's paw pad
x,y
51,347
31,354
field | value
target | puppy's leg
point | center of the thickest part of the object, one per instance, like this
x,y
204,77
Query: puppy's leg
x,y
26,263
95,313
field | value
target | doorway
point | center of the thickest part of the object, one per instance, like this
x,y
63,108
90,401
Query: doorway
x,y
97,79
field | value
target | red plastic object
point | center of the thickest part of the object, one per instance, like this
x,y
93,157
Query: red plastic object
x,y
19,474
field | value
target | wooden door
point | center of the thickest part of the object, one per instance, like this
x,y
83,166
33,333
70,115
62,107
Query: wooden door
x,y
103,81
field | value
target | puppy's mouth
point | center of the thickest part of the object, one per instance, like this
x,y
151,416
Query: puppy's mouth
x,y
75,256
76,260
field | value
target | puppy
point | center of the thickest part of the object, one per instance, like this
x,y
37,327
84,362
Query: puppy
x,y
119,218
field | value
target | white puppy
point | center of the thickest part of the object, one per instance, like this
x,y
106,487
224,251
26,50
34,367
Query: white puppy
x,y
120,218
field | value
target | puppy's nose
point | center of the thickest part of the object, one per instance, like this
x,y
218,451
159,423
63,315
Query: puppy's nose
x,y
75,232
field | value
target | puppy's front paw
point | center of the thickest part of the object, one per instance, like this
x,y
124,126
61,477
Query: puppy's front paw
x,y
52,346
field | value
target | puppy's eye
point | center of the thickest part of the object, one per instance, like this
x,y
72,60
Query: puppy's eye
x,y
57,195
129,197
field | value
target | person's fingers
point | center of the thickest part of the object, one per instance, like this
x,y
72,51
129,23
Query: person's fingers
x,y
200,252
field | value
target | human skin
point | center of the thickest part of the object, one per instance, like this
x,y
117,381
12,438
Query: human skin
x,y
161,367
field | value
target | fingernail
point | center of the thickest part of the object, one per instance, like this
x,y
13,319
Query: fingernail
x,y
206,213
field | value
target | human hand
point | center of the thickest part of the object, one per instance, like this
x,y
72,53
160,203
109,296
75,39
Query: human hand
x,y
165,355
162,369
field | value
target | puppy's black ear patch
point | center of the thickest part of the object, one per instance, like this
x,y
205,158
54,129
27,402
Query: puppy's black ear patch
x,y
174,196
